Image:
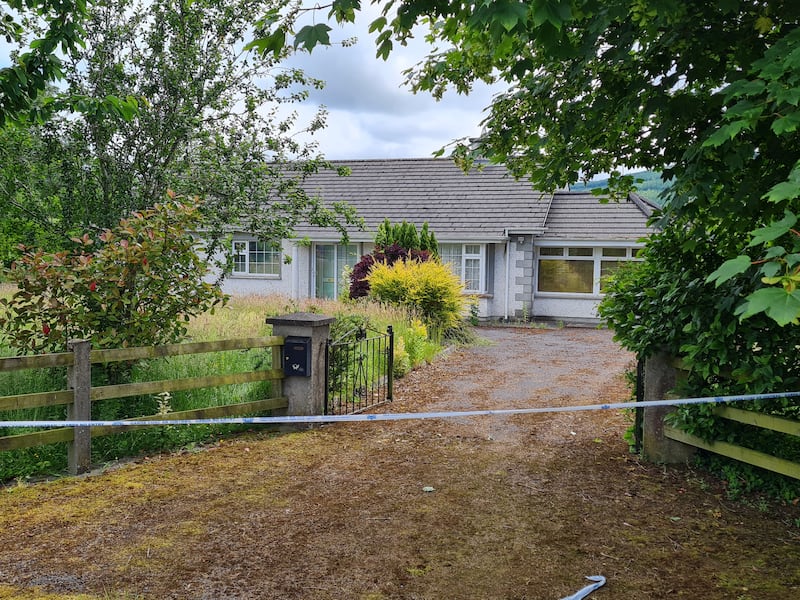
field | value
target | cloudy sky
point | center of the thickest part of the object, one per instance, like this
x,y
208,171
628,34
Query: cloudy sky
x,y
371,114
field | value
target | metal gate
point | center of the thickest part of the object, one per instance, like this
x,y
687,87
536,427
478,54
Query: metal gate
x,y
358,371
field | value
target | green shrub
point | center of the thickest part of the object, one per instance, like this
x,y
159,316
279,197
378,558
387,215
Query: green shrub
x,y
135,285
665,304
412,346
401,363
429,289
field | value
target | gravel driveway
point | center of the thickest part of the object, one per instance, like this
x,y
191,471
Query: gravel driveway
x,y
511,507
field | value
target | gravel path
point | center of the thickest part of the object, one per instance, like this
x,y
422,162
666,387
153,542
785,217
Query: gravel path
x,y
500,507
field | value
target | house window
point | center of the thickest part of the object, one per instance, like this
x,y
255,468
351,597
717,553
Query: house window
x,y
467,261
252,257
331,260
611,260
578,269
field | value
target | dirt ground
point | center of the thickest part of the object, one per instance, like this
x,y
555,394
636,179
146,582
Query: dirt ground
x,y
484,507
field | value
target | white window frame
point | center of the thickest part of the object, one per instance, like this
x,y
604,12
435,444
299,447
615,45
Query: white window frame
x,y
240,247
596,257
480,256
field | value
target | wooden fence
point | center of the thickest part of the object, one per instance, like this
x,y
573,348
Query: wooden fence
x,y
80,393
740,453
661,375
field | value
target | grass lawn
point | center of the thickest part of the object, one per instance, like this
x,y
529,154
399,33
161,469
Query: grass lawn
x,y
242,317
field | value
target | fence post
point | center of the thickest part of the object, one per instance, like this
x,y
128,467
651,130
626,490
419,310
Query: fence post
x,y
79,380
305,393
660,377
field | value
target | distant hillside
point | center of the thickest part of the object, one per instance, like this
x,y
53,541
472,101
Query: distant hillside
x,y
650,186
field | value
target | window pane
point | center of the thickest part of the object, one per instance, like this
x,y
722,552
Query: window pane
x,y
325,284
451,254
570,276
239,257
581,251
472,275
551,251
346,256
264,260
607,269
622,252
472,249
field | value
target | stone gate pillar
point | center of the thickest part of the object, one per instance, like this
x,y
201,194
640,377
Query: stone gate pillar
x,y
660,377
305,387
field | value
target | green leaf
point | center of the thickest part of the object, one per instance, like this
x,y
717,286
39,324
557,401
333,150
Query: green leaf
x,y
744,88
770,269
344,10
384,45
273,43
726,133
377,25
786,190
764,24
773,230
777,303
775,251
312,35
786,124
555,12
730,268
509,14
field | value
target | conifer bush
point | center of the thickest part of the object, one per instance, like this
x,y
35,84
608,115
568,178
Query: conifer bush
x,y
396,242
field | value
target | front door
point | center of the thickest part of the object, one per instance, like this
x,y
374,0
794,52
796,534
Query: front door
x,y
330,261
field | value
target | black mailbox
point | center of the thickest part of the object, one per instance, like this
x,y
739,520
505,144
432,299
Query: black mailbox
x,y
297,356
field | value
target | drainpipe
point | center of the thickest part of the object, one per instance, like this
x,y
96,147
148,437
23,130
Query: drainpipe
x,y
534,274
508,278
295,274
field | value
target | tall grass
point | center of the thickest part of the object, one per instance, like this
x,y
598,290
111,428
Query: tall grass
x,y
244,316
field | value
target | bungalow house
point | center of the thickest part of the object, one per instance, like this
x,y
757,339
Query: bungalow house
x,y
519,251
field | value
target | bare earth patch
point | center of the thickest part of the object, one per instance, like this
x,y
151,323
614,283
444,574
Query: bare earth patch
x,y
521,507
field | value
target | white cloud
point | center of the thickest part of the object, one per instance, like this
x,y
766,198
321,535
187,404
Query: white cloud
x,y
371,112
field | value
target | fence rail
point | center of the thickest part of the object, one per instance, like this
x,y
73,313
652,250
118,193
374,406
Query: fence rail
x,y
81,394
664,443
741,453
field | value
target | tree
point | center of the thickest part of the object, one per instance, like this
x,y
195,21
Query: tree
x,y
406,236
705,93
22,83
133,285
25,162
209,122
26,86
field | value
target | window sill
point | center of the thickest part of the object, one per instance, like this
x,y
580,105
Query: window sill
x,y
253,276
569,295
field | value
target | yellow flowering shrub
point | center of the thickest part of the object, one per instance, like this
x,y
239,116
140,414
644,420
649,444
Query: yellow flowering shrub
x,y
430,289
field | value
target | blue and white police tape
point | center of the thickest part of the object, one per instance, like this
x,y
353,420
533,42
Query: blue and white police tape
x,y
300,419
599,581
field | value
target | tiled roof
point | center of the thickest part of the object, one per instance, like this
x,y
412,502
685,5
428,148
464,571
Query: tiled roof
x,y
485,204
481,204
582,216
